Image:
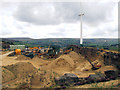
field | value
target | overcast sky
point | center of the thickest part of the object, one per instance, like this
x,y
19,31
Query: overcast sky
x,y
58,19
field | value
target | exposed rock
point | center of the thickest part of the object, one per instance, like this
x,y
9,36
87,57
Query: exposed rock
x,y
81,81
111,74
111,58
67,79
96,78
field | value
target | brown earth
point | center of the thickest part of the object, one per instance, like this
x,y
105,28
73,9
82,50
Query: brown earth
x,y
22,57
7,75
39,73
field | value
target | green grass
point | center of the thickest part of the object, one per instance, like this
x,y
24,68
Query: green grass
x,y
103,86
39,69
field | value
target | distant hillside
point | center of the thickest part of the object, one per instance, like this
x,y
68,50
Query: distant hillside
x,y
17,39
63,42
6,42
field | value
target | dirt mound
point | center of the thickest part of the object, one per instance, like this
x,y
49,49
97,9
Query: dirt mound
x,y
63,62
21,69
68,62
77,58
43,79
36,58
7,75
39,62
22,57
74,55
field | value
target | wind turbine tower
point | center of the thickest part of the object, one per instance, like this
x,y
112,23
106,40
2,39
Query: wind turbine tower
x,y
81,38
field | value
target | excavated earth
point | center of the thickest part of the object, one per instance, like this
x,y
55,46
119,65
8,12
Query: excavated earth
x,y
23,72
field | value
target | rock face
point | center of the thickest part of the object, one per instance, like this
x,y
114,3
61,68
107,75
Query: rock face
x,y
70,79
96,78
67,79
81,81
111,58
111,74
88,53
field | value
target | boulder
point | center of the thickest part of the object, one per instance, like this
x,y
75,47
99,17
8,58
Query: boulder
x,y
96,78
67,79
81,81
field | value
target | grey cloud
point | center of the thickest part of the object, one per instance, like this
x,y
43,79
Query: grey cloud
x,y
96,13
66,12
37,13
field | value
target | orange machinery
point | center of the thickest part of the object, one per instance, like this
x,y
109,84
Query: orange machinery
x,y
67,51
18,51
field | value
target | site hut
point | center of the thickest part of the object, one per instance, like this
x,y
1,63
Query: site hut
x,y
13,47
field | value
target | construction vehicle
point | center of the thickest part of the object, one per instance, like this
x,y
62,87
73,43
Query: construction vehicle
x,y
31,55
42,52
67,51
18,51
94,67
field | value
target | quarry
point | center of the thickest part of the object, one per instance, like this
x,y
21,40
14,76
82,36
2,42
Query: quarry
x,y
76,67
59,44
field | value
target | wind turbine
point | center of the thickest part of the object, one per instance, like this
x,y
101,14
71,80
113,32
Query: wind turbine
x,y
81,38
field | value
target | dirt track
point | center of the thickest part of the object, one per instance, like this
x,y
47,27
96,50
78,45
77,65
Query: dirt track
x,y
4,56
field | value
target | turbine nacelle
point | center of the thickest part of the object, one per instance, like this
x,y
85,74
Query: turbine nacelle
x,y
80,14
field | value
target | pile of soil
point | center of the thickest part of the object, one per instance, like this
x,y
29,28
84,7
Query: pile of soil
x,y
38,62
22,57
79,60
63,62
69,62
36,58
21,69
43,79
7,75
